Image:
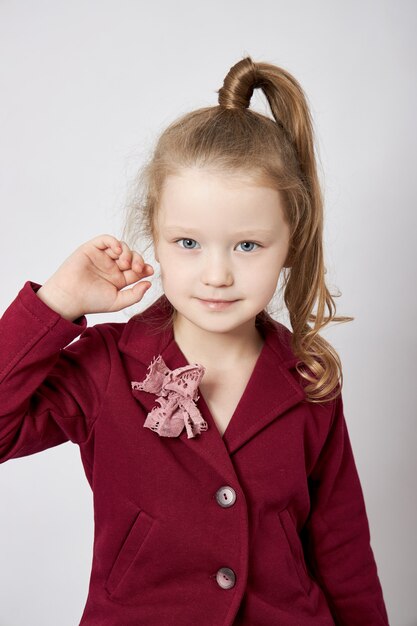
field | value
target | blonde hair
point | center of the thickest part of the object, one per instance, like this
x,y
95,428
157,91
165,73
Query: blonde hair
x,y
275,152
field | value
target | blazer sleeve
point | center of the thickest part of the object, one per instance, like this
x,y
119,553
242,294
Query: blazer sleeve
x,y
337,533
49,393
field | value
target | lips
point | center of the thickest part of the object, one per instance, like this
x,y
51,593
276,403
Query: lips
x,y
217,305
218,301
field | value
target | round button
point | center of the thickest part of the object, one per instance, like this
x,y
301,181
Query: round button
x,y
226,578
226,496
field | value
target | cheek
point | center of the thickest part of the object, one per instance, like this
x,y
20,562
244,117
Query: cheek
x,y
172,259
162,256
174,270
264,276
264,269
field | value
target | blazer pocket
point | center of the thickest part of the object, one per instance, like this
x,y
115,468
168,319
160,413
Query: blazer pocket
x,y
296,549
129,552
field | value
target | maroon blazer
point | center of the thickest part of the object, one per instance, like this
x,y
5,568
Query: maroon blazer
x,y
266,525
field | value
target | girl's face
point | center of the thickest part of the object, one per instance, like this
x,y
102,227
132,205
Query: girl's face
x,y
219,238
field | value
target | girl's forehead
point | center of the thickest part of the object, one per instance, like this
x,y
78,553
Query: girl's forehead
x,y
197,189
200,177
205,202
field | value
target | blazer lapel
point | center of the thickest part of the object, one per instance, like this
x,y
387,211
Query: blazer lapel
x,y
271,389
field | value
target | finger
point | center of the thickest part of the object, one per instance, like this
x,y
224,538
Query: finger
x,y
109,243
132,276
125,258
132,260
138,263
130,296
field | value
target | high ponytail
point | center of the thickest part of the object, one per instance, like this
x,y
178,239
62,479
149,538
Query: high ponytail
x,y
278,152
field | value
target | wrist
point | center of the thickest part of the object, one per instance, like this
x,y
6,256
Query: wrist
x,y
58,302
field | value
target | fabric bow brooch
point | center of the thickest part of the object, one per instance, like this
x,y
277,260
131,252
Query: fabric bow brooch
x,y
177,391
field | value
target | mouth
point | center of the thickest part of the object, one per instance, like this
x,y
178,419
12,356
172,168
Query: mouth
x,y
206,300
217,304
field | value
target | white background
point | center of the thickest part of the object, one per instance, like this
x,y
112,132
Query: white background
x,y
86,87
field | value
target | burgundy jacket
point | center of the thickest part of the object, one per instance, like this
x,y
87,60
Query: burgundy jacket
x,y
264,526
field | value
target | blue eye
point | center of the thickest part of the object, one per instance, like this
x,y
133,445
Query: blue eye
x,y
188,244
187,241
251,243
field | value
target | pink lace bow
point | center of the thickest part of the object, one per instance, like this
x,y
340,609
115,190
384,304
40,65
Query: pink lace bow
x,y
177,391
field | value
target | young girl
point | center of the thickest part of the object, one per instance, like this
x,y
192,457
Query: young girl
x,y
213,437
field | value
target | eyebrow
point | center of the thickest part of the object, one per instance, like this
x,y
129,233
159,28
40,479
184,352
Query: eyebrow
x,y
259,232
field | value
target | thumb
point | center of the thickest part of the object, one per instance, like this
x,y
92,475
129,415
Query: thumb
x,y
130,296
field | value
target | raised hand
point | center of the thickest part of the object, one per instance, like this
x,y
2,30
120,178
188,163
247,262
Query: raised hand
x,y
93,277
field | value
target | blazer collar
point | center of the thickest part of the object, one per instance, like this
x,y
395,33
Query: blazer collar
x,y
272,389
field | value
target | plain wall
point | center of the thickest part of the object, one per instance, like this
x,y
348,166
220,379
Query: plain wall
x,y
86,87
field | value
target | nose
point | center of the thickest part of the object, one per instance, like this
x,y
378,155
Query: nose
x,y
217,270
